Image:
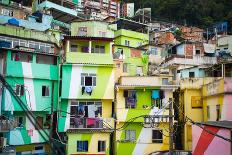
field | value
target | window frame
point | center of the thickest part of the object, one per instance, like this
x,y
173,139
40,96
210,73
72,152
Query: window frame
x,y
47,88
92,75
218,112
83,143
191,74
21,90
208,112
71,48
17,118
132,133
158,139
130,97
101,146
127,43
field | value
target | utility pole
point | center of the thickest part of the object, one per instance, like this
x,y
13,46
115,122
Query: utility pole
x,y
170,127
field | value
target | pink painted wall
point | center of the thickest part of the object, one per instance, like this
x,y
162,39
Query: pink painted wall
x,y
208,144
227,107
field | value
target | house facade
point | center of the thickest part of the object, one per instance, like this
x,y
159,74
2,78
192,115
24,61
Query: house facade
x,y
30,68
87,95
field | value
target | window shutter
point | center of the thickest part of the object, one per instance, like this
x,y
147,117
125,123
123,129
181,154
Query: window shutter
x,y
22,90
127,135
94,81
82,80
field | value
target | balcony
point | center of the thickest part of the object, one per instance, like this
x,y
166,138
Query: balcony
x,y
193,60
91,123
146,81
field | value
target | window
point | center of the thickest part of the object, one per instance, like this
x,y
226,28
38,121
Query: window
x,y
140,44
88,79
19,121
19,90
191,74
47,121
46,59
165,81
157,136
45,91
196,102
7,12
174,74
82,146
131,98
99,49
23,57
39,147
74,48
130,135
154,51
139,71
85,49
208,112
82,31
39,122
198,52
101,146
218,112
102,34
86,114
125,68
127,43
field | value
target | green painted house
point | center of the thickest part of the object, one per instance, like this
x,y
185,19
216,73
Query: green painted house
x,y
30,65
126,48
85,114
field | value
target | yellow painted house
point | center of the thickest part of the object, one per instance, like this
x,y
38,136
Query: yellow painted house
x,y
202,100
142,119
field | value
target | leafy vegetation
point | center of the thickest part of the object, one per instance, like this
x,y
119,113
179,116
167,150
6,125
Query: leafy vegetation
x,y
202,13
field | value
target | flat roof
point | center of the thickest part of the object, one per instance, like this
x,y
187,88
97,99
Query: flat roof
x,y
88,38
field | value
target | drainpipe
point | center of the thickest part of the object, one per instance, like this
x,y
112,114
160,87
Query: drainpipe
x,y
52,113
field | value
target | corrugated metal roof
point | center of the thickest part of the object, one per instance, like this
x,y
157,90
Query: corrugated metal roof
x,y
221,124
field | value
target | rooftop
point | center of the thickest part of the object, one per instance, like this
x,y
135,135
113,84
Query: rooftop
x,y
222,124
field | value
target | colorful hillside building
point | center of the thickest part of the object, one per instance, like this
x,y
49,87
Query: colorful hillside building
x,y
87,91
141,101
29,64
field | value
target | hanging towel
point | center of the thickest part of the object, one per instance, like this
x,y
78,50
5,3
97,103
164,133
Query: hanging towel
x,y
91,121
91,111
88,89
155,94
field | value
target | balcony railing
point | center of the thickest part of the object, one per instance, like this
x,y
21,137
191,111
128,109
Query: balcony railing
x,y
86,123
193,60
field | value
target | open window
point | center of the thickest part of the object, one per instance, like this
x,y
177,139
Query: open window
x,y
45,91
22,57
88,79
130,99
39,122
101,146
19,120
157,136
19,90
